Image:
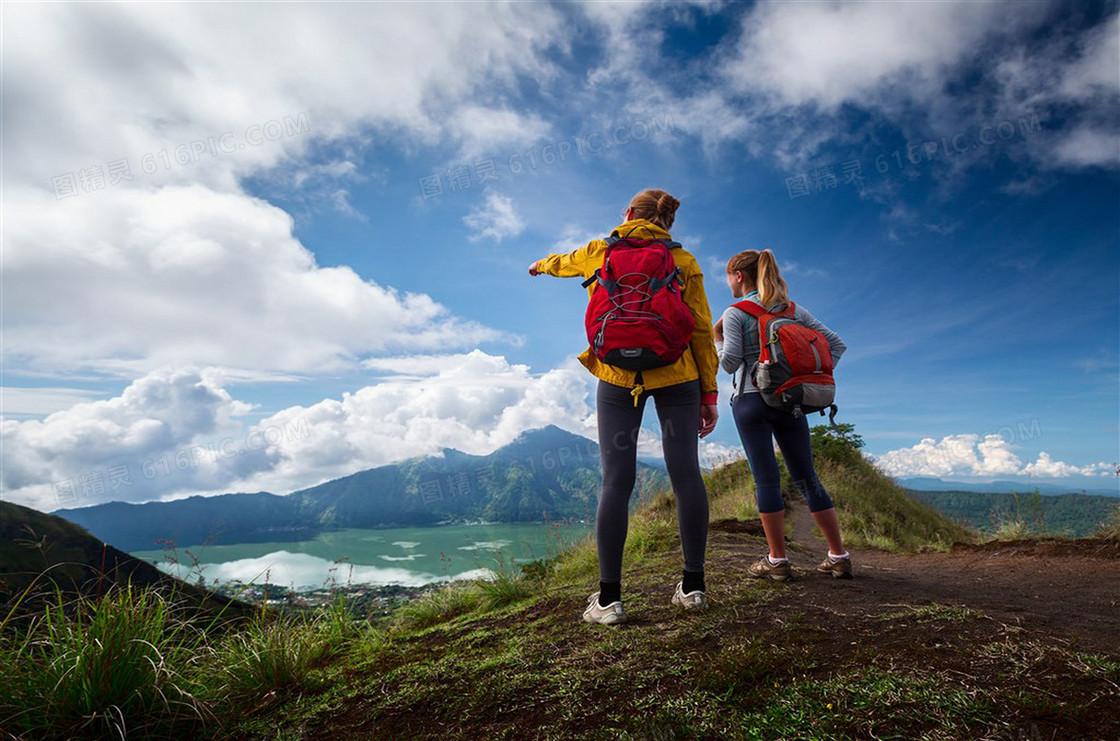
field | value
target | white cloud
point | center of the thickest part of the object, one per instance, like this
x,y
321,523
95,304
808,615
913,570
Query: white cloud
x,y
140,77
188,275
72,456
973,455
784,86
1086,147
495,219
179,432
829,53
177,264
1046,466
483,129
472,402
39,401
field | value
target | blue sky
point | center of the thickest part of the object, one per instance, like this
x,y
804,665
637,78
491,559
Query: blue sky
x,y
318,258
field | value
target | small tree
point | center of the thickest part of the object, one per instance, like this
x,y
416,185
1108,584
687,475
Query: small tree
x,y
841,444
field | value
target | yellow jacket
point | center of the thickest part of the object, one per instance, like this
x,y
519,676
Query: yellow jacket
x,y
700,362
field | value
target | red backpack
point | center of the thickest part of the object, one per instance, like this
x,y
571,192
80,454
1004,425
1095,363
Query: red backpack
x,y
636,318
794,370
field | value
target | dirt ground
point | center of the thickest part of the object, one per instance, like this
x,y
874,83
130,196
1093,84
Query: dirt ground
x,y
1066,588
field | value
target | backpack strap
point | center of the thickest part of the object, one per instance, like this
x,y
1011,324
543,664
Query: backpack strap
x,y
667,242
658,284
764,317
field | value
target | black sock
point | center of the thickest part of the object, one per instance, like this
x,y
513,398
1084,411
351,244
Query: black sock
x,y
693,580
609,591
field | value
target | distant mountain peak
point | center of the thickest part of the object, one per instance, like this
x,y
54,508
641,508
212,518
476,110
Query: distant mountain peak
x,y
550,433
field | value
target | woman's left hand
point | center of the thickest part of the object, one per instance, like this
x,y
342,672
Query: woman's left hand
x,y
709,414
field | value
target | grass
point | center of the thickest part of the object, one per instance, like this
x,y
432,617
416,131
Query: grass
x,y
875,702
139,664
502,657
271,655
934,612
1025,519
1111,529
122,664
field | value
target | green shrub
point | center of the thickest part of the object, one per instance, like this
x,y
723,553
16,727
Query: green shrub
x,y
444,603
272,654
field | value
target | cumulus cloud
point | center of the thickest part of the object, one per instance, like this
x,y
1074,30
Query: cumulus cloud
x,y
135,446
167,75
32,401
830,53
495,219
178,432
194,276
171,261
973,455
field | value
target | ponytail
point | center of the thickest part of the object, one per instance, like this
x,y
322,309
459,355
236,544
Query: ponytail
x,y
771,286
761,269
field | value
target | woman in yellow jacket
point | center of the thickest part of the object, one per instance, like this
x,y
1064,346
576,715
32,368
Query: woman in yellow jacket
x,y
684,394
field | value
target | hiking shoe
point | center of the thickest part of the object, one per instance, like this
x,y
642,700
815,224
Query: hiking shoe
x,y
762,568
841,569
609,615
694,600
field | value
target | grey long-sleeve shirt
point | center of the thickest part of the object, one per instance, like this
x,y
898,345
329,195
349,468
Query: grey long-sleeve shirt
x,y
739,351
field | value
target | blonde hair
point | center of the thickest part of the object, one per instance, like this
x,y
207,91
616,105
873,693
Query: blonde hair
x,y
761,269
656,206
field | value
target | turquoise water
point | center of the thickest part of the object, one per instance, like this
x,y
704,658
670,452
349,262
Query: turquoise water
x,y
410,556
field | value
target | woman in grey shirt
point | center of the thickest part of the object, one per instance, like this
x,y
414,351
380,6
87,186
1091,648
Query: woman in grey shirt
x,y
754,276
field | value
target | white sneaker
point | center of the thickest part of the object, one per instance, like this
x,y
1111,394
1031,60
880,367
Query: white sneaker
x,y
609,615
694,600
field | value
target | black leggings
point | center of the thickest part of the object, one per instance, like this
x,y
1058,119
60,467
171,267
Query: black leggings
x,y
758,424
678,409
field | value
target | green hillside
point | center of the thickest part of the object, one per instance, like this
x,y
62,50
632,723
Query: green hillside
x,y
1071,515
42,556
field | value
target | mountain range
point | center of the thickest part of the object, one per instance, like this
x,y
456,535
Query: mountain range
x,y
544,474
929,483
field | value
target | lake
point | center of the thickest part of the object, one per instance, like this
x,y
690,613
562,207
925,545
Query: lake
x,y
409,555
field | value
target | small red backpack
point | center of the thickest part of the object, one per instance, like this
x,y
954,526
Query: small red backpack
x,y
636,318
794,369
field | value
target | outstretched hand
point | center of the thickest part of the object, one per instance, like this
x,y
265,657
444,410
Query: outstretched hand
x,y
709,414
533,268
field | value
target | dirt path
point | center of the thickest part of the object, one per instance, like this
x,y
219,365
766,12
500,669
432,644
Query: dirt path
x,y
1069,589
